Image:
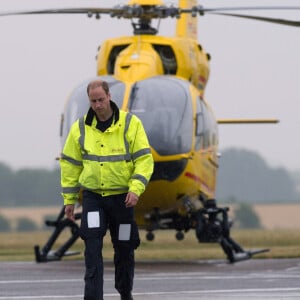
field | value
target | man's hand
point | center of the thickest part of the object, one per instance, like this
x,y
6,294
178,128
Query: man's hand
x,y
131,199
69,212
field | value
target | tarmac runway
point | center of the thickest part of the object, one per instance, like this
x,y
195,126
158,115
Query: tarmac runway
x,y
253,279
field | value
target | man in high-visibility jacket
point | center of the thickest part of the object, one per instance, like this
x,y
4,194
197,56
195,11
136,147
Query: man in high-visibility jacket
x,y
108,157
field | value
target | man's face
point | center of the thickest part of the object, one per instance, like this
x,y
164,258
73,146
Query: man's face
x,y
100,102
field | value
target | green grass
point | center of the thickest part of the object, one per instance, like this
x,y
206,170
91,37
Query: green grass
x,y
282,244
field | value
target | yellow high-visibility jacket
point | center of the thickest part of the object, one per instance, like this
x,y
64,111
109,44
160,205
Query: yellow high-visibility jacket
x,y
115,161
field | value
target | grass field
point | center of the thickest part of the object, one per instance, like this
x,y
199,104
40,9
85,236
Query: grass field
x,y
272,216
281,234
284,243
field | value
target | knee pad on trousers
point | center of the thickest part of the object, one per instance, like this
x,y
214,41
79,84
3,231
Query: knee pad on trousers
x,y
92,225
126,234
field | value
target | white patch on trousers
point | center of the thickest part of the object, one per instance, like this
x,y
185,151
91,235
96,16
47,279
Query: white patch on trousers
x,y
124,232
93,219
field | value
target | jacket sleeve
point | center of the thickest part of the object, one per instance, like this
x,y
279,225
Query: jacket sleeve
x,y
141,156
71,166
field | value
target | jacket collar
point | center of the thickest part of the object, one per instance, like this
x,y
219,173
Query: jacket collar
x,y
91,114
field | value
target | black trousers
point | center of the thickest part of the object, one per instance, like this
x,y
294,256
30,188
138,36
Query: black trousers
x,y
99,214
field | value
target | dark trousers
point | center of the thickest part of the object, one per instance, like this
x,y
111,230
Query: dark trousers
x,y
98,214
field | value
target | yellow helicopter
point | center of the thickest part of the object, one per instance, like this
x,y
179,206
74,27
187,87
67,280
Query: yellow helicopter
x,y
162,80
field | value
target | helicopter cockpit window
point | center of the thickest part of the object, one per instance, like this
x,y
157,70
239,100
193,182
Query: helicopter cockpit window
x,y
199,126
214,131
167,57
164,105
78,103
206,127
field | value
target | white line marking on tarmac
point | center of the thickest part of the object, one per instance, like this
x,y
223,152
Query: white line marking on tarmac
x,y
162,277
39,281
42,297
262,290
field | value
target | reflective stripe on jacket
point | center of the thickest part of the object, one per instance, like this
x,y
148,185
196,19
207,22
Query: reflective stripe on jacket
x,y
111,162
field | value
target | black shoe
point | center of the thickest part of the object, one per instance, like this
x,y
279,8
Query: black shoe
x,y
126,296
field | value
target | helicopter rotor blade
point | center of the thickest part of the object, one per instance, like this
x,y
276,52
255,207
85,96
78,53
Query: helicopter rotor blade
x,y
63,11
149,12
119,11
264,19
240,8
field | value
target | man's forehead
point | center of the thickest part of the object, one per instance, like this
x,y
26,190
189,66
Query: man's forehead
x,y
97,91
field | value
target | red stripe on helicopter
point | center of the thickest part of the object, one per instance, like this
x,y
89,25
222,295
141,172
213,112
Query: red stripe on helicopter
x,y
202,79
192,176
198,179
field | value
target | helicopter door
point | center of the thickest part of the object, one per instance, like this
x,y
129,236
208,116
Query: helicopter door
x,y
206,142
164,105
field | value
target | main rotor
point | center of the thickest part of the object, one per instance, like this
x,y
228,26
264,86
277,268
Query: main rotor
x,y
142,12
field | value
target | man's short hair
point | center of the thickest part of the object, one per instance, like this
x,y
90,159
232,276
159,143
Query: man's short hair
x,y
98,83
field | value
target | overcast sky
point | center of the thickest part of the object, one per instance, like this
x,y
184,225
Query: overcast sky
x,y
254,74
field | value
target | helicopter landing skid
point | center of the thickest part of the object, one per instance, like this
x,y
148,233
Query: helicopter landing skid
x,y
234,251
46,254
211,225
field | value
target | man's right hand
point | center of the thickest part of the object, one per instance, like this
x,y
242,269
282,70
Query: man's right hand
x,y
69,212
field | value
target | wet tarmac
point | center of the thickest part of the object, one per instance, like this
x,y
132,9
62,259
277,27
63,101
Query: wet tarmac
x,y
211,279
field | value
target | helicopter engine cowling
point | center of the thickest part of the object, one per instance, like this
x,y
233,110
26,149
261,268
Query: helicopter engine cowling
x,y
141,63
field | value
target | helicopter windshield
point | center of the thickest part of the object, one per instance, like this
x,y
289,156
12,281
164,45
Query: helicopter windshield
x,y
78,102
165,107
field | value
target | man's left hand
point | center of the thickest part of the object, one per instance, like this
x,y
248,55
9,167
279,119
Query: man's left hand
x,y
131,199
